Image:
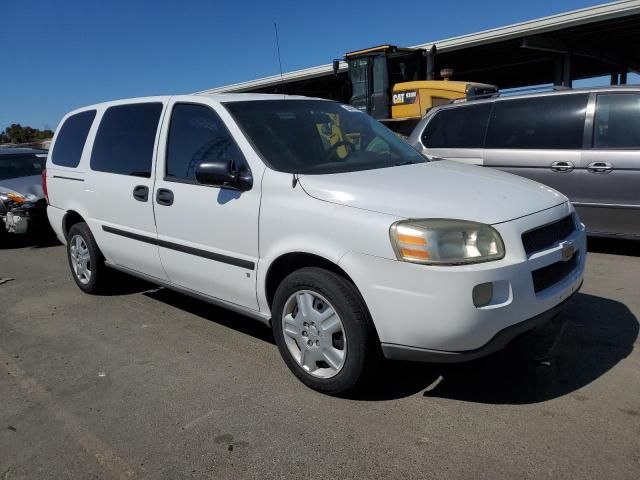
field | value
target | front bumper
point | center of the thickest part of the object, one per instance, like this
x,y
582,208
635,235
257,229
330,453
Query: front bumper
x,y
429,309
501,340
16,222
19,219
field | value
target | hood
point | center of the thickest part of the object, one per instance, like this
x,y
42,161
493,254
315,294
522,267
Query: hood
x,y
441,189
23,185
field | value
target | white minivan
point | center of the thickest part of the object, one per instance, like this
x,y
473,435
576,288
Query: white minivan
x,y
314,218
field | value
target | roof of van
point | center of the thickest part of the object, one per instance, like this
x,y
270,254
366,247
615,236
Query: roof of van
x,y
218,97
543,93
243,97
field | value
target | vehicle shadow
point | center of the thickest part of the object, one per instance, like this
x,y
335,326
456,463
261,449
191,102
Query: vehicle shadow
x,y
122,284
614,246
585,341
580,345
589,337
30,240
221,316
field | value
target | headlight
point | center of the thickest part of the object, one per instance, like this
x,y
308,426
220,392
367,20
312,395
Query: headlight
x,y
445,242
12,197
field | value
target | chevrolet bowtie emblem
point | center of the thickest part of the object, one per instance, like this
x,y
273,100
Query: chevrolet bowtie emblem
x,y
568,249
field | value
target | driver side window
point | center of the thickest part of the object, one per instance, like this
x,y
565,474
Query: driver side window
x,y
196,135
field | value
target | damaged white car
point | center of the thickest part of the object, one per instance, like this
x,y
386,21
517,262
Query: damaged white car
x,y
22,200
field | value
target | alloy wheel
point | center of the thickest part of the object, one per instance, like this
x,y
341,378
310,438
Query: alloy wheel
x,y
80,259
314,334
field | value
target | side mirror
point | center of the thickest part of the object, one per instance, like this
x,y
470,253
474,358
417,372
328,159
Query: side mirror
x,y
223,173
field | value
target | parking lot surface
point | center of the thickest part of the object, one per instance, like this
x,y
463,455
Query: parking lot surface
x,y
146,383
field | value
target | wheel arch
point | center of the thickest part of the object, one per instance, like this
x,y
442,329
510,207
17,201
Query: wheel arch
x,y
289,262
70,219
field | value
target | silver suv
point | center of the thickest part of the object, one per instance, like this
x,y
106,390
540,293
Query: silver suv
x,y
583,142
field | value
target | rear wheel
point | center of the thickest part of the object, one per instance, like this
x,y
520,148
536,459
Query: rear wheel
x,y
85,259
323,331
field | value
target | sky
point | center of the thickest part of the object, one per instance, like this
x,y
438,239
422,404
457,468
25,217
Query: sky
x,y
60,55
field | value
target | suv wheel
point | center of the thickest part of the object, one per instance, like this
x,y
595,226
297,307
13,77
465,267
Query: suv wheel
x,y
85,259
323,331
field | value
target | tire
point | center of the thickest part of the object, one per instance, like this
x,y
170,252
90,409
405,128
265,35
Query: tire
x,y
339,359
83,251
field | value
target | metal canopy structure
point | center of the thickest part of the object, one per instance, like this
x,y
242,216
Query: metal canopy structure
x,y
594,41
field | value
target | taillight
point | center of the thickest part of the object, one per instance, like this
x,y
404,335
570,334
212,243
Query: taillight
x,y
44,185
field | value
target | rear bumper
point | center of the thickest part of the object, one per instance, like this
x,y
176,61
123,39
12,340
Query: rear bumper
x,y
501,340
56,219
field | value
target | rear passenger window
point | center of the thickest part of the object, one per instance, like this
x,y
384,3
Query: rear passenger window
x,y
617,122
458,127
551,122
71,139
196,135
125,139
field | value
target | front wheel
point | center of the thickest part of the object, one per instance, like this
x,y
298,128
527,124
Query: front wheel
x,y
323,331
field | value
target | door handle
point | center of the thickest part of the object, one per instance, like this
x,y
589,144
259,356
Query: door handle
x,y
562,167
141,193
164,197
600,167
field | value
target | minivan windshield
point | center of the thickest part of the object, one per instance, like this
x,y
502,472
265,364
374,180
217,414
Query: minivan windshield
x,y
319,137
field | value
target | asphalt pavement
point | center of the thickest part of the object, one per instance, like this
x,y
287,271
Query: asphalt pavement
x,y
144,383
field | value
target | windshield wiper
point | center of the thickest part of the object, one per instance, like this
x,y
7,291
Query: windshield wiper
x,y
408,162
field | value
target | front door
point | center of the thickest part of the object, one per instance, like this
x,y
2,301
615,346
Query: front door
x,y
207,236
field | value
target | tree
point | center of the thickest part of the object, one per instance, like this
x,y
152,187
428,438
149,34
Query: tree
x,y
16,133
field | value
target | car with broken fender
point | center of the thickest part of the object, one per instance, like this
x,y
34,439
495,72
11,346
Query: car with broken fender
x,y
312,217
22,203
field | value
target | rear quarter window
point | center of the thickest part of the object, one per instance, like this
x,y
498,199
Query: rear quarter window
x,y
550,122
125,139
71,139
457,127
617,121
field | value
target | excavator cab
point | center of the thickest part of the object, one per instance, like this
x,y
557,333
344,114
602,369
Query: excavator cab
x,y
374,71
396,86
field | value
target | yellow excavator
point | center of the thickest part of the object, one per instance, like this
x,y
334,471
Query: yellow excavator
x,y
396,86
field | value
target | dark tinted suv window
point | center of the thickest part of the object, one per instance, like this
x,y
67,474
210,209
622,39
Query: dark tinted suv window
x,y
458,127
617,123
71,138
550,122
196,135
125,139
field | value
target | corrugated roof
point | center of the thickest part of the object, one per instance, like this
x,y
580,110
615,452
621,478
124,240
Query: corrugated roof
x,y
582,16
